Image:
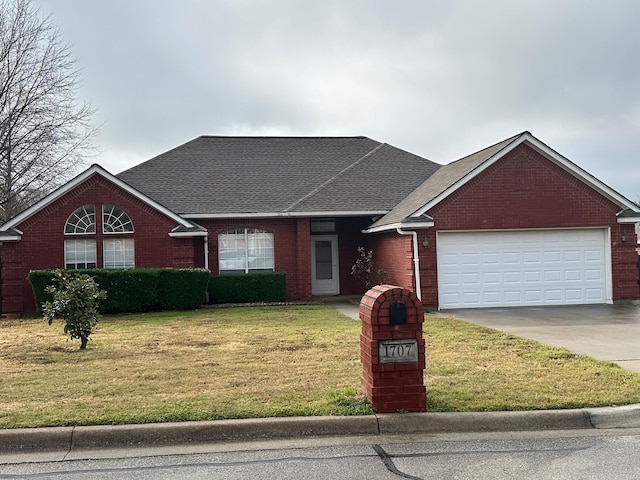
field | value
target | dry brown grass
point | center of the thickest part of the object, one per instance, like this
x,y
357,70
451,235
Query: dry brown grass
x,y
473,368
272,361
207,364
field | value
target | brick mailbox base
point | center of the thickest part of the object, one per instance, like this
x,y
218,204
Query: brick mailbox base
x,y
392,350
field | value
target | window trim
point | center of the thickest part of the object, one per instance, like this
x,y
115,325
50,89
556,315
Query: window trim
x,y
124,250
104,223
75,241
64,230
246,232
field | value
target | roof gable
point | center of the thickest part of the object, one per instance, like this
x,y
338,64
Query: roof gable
x,y
451,177
8,230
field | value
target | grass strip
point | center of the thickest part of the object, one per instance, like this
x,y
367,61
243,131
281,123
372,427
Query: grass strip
x,y
272,361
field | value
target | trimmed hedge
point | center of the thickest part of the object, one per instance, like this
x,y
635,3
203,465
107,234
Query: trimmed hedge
x,y
138,289
248,288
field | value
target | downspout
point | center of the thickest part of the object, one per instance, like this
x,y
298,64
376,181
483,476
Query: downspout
x,y
416,260
206,263
206,251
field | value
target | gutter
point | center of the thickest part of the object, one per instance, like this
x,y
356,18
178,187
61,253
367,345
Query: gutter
x,y
416,260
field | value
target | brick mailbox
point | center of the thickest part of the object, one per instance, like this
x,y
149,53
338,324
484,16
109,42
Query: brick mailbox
x,y
392,350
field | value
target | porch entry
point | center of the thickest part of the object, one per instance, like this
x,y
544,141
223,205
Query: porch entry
x,y
324,265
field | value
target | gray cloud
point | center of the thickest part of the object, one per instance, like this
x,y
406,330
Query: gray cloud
x,y
440,79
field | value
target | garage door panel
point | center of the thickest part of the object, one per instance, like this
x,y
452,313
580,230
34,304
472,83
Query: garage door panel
x,y
531,257
593,294
512,277
513,268
553,276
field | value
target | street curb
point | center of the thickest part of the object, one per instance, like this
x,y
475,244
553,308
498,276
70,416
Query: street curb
x,y
56,439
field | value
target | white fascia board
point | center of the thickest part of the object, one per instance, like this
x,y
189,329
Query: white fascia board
x,y
400,225
635,219
10,238
73,183
188,234
285,214
545,150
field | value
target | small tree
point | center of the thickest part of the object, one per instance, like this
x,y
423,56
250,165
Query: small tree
x,y
366,271
75,300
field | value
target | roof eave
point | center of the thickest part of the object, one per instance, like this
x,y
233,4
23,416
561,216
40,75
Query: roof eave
x,y
400,225
188,234
326,213
635,219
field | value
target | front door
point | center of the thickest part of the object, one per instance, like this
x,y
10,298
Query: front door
x,y
324,265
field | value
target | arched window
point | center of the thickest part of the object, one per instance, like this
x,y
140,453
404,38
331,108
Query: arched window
x,y
114,220
117,252
245,250
82,221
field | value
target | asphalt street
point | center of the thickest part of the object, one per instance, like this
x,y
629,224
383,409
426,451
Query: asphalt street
x,y
583,455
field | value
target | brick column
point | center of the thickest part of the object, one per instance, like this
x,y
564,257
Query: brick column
x,y
392,350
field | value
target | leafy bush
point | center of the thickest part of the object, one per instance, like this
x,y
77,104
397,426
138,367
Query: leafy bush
x,y
75,300
128,290
138,289
182,289
248,288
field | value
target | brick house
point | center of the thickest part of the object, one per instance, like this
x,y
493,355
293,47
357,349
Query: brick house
x,y
513,224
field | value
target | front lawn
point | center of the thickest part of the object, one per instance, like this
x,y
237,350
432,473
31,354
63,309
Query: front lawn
x,y
272,361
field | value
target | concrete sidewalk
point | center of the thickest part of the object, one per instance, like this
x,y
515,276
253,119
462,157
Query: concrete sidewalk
x,y
59,442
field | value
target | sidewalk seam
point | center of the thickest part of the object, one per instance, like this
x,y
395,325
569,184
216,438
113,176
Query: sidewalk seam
x,y
590,418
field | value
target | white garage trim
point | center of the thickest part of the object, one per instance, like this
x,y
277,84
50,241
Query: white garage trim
x,y
500,268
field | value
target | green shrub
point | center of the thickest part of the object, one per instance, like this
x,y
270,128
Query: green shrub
x,y
182,289
128,290
138,289
40,280
75,300
249,288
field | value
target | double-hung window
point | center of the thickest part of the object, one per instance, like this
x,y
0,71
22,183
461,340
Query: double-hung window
x,y
245,250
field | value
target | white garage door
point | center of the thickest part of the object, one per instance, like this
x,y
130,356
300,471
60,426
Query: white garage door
x,y
520,268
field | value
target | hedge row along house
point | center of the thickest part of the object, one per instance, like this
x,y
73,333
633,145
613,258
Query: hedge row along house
x,y
514,224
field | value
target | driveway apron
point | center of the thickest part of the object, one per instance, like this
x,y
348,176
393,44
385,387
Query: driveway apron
x,y
604,332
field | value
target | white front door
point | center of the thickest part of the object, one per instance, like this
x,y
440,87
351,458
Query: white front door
x,y
324,265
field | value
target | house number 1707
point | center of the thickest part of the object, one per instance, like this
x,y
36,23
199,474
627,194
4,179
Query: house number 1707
x,y
398,351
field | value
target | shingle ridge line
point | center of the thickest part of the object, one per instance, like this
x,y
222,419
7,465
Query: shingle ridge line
x,y
510,139
293,137
332,179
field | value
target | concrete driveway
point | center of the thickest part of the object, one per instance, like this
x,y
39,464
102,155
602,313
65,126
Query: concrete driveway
x,y
604,332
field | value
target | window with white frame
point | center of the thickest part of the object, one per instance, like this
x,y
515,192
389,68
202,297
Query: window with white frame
x,y
114,220
82,221
118,253
79,254
245,250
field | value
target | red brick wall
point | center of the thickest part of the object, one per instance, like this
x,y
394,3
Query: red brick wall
x,y
42,244
525,190
394,253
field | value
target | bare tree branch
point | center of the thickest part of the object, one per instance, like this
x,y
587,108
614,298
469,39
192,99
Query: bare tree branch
x,y
45,131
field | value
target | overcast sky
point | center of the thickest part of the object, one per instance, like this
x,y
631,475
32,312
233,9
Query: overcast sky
x,y
440,79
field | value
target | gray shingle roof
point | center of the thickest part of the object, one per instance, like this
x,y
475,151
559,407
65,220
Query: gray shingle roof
x,y
279,175
439,182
